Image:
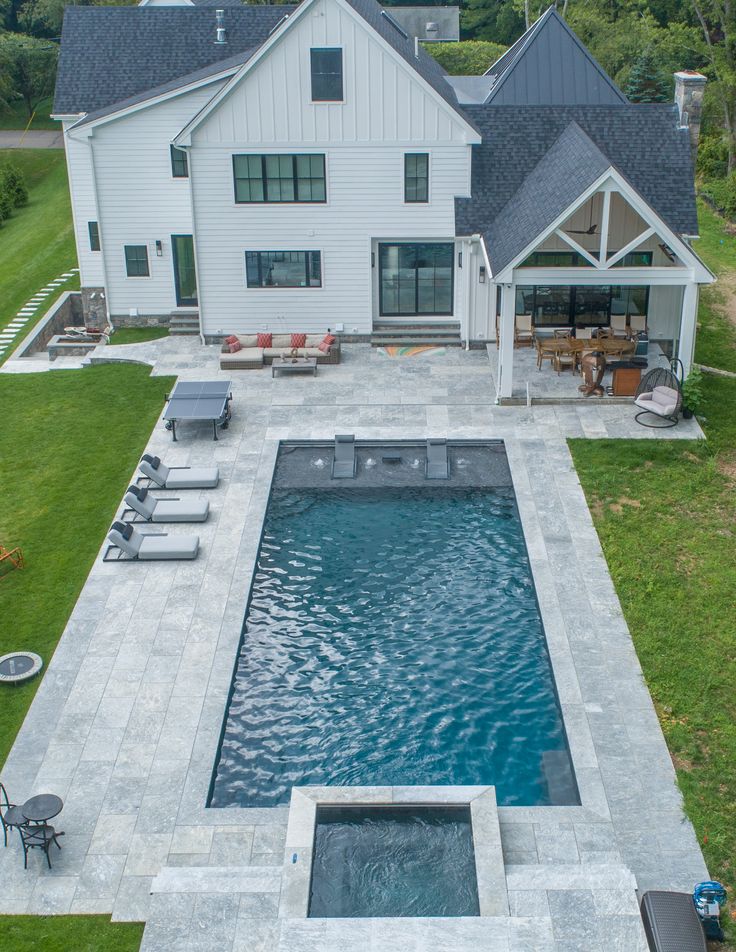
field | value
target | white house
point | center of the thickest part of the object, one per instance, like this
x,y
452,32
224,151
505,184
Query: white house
x,y
303,167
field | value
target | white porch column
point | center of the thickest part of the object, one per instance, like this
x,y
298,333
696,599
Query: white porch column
x,y
505,385
688,324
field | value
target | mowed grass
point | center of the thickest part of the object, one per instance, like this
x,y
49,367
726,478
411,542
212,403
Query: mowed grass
x,y
665,512
68,934
17,117
37,242
716,340
138,335
68,443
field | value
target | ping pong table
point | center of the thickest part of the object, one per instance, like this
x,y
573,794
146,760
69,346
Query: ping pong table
x,y
199,400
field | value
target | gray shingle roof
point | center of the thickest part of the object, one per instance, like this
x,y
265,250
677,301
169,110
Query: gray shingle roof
x,y
549,66
572,164
111,54
643,142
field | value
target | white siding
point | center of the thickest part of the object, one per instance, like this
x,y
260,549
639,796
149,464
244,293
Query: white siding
x,y
365,203
385,101
84,208
140,202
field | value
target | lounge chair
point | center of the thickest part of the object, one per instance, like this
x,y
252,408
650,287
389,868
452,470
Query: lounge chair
x,y
143,507
178,477
438,464
619,326
344,465
523,332
128,544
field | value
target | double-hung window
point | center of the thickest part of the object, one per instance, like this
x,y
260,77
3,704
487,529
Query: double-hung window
x,y
283,269
279,178
416,177
179,163
326,75
136,261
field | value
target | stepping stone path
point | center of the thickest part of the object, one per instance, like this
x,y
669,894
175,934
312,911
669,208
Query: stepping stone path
x,y
30,309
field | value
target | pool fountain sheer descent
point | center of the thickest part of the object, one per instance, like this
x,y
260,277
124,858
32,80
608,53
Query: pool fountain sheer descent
x,y
392,636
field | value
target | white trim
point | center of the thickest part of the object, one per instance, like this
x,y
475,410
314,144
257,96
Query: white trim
x,y
185,136
615,276
605,224
634,243
700,272
577,247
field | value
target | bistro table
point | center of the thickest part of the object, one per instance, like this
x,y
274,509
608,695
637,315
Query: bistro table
x,y
43,807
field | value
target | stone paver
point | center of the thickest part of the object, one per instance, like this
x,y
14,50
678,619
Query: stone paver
x,y
126,722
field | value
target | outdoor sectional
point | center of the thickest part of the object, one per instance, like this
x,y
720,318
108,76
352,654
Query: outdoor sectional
x,y
251,357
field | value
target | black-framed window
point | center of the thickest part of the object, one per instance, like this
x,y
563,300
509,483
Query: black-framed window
x,y
94,235
283,269
326,67
572,259
279,178
416,278
416,177
589,305
185,273
179,162
136,261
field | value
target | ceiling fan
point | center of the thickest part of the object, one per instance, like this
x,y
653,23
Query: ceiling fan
x,y
582,231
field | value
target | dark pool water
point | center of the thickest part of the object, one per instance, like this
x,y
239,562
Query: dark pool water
x,y
393,637
393,861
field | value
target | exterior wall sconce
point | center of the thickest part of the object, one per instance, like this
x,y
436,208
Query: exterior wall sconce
x,y
159,249
482,274
459,259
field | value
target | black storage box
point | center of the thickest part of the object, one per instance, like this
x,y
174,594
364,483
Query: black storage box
x,y
671,922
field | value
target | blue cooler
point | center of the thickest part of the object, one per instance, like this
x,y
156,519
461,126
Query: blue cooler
x,y
642,345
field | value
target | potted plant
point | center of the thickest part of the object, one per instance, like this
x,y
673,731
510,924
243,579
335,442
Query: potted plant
x,y
692,393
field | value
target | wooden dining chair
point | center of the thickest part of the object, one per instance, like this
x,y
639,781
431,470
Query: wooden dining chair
x,y
561,333
546,349
584,333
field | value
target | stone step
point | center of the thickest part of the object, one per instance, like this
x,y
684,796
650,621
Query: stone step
x,y
400,341
182,331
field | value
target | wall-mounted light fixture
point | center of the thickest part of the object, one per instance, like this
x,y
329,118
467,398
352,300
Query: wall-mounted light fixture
x,y
459,259
482,274
668,252
373,259
159,249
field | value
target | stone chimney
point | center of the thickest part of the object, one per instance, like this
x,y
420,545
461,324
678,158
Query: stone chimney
x,y
689,89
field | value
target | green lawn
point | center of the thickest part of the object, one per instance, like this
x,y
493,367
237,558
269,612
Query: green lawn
x,y
137,335
17,117
68,934
716,341
665,512
37,242
68,443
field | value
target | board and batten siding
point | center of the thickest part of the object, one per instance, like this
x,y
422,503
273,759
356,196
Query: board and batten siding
x,y
140,201
386,112
84,207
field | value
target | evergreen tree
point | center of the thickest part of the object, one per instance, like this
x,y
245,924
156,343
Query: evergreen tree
x,y
647,82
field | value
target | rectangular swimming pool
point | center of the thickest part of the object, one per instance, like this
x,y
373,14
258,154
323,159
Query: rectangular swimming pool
x,y
392,637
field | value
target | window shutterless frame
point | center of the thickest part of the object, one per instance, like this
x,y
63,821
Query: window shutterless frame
x,y
136,261
283,269
94,235
326,68
416,279
179,162
280,179
416,177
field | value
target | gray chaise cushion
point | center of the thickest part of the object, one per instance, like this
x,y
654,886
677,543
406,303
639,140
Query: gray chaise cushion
x,y
181,510
194,477
163,547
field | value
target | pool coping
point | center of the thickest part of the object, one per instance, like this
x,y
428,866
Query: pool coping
x,y
300,833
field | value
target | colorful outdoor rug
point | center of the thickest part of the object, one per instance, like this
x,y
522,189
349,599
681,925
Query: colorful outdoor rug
x,y
411,351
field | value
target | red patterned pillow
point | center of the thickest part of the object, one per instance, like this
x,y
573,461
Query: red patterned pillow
x,y
298,340
324,346
234,347
329,339
232,339
264,340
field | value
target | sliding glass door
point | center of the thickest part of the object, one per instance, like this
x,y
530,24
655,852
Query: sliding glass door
x,y
416,279
185,275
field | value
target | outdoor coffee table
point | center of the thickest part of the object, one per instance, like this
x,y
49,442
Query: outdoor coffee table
x,y
43,807
294,365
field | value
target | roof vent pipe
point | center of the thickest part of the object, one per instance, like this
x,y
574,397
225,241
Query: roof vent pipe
x,y
220,26
416,47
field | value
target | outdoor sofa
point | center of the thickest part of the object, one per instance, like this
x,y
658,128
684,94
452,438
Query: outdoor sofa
x,y
252,357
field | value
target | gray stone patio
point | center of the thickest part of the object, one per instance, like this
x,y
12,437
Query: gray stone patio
x,y
126,722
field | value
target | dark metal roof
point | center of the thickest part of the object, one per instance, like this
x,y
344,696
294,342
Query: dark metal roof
x,y
643,142
549,66
111,54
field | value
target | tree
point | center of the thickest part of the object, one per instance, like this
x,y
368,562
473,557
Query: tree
x,y
469,58
29,65
717,19
646,80
13,184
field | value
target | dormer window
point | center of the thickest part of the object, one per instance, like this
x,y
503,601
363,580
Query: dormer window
x,y
327,75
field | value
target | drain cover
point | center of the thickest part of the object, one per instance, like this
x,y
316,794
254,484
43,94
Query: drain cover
x,y
19,666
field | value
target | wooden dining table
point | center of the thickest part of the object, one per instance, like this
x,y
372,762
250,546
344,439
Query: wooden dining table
x,y
558,347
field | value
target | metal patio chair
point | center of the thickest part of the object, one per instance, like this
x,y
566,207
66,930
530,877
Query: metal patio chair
x,y
38,837
10,815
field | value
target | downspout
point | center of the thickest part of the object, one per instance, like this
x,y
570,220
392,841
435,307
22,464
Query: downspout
x,y
188,151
